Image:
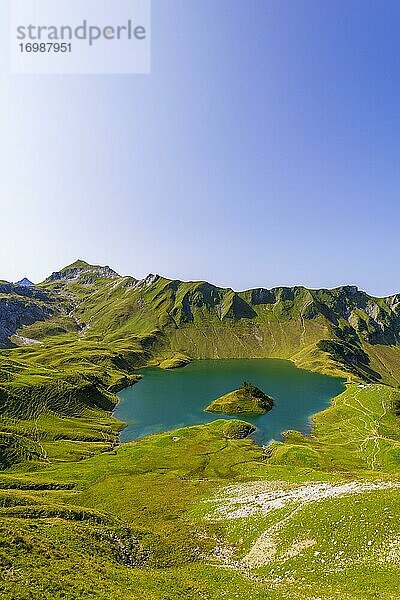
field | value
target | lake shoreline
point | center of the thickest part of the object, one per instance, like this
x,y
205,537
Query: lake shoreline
x,y
165,400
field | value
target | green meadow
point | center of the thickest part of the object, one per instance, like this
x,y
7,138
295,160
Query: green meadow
x,y
202,511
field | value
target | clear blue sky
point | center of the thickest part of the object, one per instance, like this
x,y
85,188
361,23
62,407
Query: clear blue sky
x,y
264,149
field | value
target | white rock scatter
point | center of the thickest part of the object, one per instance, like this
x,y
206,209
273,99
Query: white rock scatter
x,y
246,500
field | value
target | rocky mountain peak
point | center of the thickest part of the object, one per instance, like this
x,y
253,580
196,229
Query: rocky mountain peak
x,y
24,282
84,271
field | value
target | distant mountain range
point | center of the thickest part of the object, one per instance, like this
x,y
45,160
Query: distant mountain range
x,y
343,330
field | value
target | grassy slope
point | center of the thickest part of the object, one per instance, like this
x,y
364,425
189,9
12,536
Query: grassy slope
x,y
246,399
128,522
53,394
153,491
359,431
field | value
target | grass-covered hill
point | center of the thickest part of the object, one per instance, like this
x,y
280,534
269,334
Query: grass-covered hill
x,y
202,512
339,329
246,399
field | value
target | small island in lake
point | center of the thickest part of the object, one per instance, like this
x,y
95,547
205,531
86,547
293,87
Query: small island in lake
x,y
247,399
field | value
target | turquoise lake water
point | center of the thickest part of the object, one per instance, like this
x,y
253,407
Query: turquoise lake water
x,y
165,400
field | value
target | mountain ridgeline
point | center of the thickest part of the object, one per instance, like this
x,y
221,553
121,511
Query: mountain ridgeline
x,y
342,329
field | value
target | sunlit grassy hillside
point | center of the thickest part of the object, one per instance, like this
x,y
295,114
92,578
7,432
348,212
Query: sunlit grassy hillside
x,y
202,512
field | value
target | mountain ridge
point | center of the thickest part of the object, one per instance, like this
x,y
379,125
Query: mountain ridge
x,y
202,320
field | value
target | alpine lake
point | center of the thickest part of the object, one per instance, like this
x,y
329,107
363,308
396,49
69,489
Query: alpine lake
x,y
164,400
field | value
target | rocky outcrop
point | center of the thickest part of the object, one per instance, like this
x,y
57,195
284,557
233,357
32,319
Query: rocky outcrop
x,y
24,305
26,292
83,271
15,312
147,281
